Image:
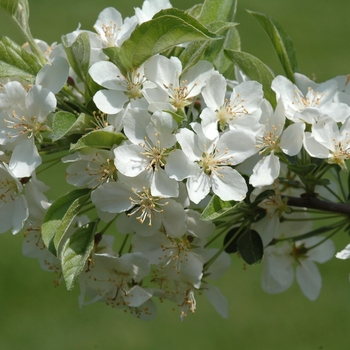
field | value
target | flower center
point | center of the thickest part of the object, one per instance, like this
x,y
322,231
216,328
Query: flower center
x,y
155,154
134,85
101,170
312,99
110,33
146,204
340,154
210,161
8,190
179,96
20,125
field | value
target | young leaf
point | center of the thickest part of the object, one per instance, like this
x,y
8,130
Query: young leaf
x,y
75,252
282,43
212,13
61,124
302,169
99,139
217,207
250,246
16,61
78,54
215,51
218,10
9,6
168,28
255,70
65,124
60,215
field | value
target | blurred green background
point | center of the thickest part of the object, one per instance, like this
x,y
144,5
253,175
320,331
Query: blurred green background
x,y
35,315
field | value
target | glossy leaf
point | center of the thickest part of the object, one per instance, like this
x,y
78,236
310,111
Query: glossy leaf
x,y
78,54
99,139
60,215
282,43
65,123
302,170
16,61
212,14
168,28
250,247
255,70
218,10
75,252
217,207
231,239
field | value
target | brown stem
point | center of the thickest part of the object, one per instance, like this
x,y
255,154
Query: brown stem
x,y
316,203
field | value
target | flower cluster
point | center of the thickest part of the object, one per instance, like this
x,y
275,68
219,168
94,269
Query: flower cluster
x,y
167,156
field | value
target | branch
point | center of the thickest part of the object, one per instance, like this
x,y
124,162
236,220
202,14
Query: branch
x,y
316,203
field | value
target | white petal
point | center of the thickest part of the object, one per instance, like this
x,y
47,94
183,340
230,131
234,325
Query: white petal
x,y
228,184
265,171
209,123
112,197
214,92
162,71
179,167
136,296
236,146
20,213
174,219
162,185
110,101
108,75
292,139
188,141
248,94
322,252
54,75
40,102
196,77
130,160
344,254
309,279
314,148
198,187
216,298
135,123
25,158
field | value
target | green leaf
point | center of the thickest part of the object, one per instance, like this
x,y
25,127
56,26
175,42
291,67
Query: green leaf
x,y
302,170
99,139
9,6
263,195
18,10
215,51
179,118
217,207
250,247
60,215
16,61
218,16
168,28
65,124
61,124
282,43
255,70
218,10
75,252
195,10
221,62
78,54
